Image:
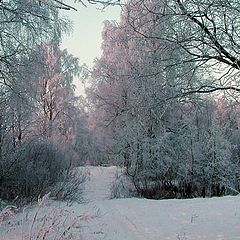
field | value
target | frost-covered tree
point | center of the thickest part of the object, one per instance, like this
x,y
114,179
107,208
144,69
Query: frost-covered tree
x,y
24,25
43,131
171,143
38,123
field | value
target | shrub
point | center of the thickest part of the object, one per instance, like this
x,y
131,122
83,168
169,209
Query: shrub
x,y
122,187
71,187
32,168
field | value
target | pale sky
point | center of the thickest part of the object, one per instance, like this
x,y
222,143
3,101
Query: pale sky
x,y
85,41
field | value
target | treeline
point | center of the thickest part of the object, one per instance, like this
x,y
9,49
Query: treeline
x,y
159,92
43,126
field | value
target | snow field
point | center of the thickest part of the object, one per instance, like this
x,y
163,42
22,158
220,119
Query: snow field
x,y
102,218
133,218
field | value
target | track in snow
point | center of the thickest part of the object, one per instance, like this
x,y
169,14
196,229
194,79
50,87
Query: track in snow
x,y
110,224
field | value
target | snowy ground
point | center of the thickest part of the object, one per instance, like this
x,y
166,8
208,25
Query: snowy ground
x,y
138,219
123,219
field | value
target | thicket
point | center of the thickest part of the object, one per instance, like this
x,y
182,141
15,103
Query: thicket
x,y
32,168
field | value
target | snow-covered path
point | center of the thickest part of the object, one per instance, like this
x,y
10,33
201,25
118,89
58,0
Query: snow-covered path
x,y
110,224
99,184
138,219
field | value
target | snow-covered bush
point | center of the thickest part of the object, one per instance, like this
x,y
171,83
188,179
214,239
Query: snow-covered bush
x,y
71,187
122,186
32,168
